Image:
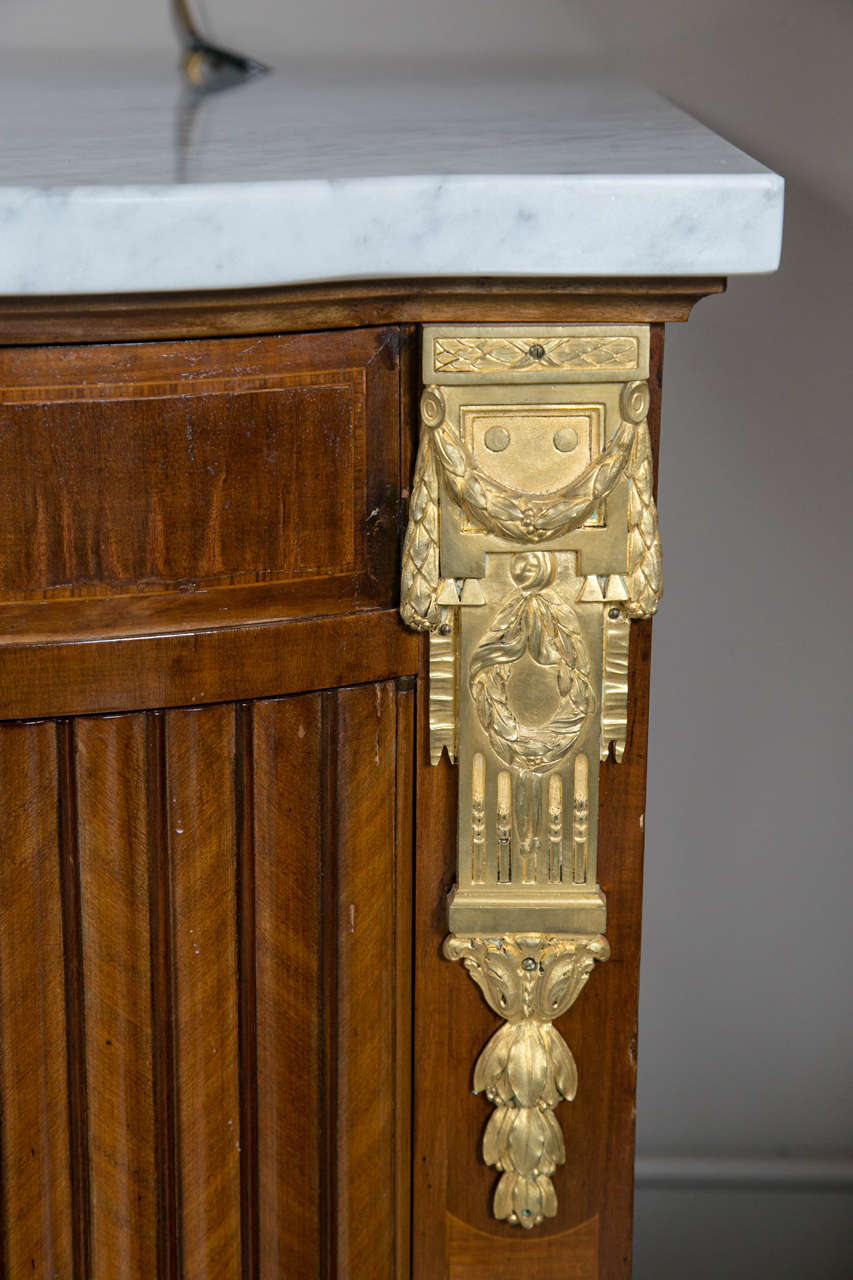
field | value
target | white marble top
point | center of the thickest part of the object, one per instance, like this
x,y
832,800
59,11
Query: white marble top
x,y
111,180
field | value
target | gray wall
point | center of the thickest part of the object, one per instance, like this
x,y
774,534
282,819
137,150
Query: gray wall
x,y
427,28
745,1045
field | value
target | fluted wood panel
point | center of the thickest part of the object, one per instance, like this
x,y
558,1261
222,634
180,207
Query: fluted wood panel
x,y
363,776
289,882
200,804
34,1139
203,1055
113,849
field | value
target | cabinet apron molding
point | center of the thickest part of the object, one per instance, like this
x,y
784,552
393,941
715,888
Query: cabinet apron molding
x,y
531,544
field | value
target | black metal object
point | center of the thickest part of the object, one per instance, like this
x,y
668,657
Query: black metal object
x,y
206,67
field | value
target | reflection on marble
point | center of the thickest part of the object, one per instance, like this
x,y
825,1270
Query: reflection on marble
x,y
348,170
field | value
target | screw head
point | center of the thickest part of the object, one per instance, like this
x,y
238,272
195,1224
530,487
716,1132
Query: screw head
x,y
536,351
528,963
614,613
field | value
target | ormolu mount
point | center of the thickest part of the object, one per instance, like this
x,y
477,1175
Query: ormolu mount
x,y
532,541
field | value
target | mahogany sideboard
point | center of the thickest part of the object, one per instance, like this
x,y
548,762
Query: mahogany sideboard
x,y
329,414
229,1045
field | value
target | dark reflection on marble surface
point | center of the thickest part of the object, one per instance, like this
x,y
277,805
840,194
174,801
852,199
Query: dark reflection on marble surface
x,y
109,120
207,67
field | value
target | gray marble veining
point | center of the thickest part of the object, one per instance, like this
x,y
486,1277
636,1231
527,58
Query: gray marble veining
x,y
112,180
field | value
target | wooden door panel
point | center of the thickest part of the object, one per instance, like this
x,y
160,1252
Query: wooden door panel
x,y
200,522
204,916
199,1033
160,466
35,1171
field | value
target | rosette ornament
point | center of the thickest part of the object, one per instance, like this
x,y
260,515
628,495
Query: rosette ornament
x,y
526,1068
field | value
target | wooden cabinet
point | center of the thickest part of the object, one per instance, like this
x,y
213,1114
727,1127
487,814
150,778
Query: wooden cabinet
x,y
205,897
228,1044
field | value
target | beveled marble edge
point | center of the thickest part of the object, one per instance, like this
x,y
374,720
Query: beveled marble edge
x,y
128,239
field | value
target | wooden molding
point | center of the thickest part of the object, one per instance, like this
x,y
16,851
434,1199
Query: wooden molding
x,y
139,317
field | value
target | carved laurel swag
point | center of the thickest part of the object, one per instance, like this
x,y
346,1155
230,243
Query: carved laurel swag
x,y
526,1068
534,620
528,517
645,577
420,581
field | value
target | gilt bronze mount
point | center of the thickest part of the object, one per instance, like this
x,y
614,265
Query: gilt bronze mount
x,y
532,542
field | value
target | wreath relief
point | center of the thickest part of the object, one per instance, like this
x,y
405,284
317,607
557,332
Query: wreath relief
x,y
534,620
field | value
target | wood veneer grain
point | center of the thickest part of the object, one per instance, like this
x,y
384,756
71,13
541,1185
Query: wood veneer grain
x,y
346,304
290,1007
35,1186
569,1255
403,975
200,753
75,1013
149,467
148,672
242,1018
111,775
164,1073
365,807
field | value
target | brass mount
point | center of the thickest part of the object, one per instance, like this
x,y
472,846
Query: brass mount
x,y
532,542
